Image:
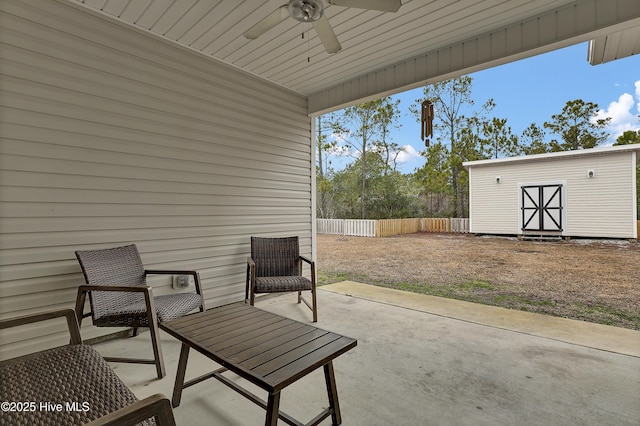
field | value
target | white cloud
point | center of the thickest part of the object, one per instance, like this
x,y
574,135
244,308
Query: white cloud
x,y
408,154
623,113
409,160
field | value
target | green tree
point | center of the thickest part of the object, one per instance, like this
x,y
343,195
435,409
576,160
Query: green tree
x,y
325,126
578,126
364,122
532,140
389,194
345,192
499,141
393,195
387,116
451,99
434,179
628,137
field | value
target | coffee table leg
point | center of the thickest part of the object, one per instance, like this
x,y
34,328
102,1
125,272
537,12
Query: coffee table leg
x,y
273,409
182,369
332,391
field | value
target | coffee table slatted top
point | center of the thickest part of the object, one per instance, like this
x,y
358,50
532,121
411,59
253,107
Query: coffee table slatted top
x,y
269,350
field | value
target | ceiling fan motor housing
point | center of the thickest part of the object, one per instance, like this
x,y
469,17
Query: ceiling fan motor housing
x,y
305,10
312,11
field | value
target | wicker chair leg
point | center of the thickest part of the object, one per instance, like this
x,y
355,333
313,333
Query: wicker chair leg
x,y
157,351
299,296
134,332
80,299
152,318
314,303
196,279
246,289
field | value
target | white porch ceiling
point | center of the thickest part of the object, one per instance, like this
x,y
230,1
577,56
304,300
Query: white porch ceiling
x,y
382,53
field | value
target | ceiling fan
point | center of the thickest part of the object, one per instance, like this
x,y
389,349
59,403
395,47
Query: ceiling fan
x,y
312,11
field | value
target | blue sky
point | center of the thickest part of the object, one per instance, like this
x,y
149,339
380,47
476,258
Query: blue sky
x,y
532,90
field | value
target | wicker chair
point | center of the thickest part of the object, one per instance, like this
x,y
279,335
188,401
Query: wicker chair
x,y
120,297
76,378
275,266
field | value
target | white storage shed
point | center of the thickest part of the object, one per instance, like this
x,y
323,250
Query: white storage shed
x,y
585,193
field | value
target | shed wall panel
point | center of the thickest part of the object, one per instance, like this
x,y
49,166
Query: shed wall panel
x,y
602,206
109,136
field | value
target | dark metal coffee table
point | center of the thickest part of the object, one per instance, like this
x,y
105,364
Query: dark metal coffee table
x,y
266,349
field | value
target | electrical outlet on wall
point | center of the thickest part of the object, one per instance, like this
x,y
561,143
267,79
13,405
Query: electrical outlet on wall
x,y
183,281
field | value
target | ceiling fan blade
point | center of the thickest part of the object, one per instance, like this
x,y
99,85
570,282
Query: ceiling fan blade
x,y
381,5
268,22
326,35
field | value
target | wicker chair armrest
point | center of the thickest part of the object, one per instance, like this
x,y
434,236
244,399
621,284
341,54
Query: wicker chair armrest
x,y
313,268
124,288
169,272
306,259
251,278
72,322
251,271
157,406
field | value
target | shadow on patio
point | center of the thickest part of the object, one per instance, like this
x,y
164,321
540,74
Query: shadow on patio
x,y
425,360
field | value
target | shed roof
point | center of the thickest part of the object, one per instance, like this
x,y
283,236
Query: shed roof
x,y
553,156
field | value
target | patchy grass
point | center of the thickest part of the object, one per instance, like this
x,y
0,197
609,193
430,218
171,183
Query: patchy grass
x,y
330,277
596,281
608,315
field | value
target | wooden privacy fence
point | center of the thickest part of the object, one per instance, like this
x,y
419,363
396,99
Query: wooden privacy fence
x,y
390,227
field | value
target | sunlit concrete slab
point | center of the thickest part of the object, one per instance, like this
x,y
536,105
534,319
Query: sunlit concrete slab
x,y
415,365
598,336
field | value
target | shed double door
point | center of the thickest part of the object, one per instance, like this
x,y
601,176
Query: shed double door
x,y
542,208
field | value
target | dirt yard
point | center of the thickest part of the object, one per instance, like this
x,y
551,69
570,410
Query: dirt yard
x,y
590,280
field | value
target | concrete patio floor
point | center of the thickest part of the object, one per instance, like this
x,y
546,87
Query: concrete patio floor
x,y
425,360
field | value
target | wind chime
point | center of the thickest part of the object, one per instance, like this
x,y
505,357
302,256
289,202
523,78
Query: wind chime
x,y
426,122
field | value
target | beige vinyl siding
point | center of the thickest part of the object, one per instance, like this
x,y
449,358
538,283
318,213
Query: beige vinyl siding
x,y
605,205
110,136
602,206
493,207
